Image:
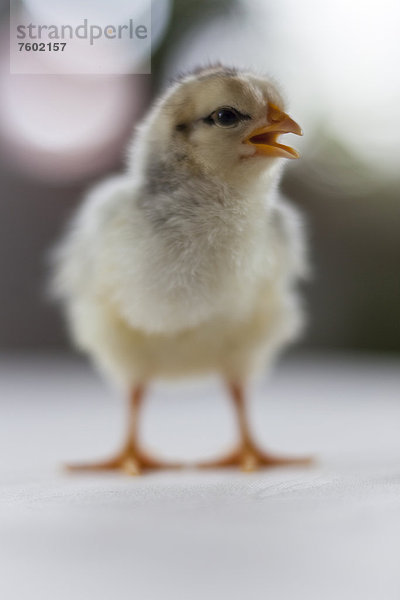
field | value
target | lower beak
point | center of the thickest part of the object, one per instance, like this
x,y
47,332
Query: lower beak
x,y
265,138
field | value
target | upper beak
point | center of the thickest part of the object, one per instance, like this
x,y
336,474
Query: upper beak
x,y
265,138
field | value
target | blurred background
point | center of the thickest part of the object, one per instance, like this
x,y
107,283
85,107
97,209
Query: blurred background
x,y
337,62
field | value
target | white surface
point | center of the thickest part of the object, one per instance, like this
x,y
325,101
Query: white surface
x,y
323,533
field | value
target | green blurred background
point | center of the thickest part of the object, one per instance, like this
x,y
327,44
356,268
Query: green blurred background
x,y
339,66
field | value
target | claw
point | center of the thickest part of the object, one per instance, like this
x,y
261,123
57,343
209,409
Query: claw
x,y
131,461
250,458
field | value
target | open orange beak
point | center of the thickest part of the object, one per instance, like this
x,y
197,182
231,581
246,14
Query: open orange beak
x,y
265,138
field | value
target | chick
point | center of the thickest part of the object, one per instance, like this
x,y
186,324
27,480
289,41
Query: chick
x,y
188,262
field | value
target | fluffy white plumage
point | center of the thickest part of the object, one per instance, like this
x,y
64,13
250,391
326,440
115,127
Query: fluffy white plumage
x,y
188,262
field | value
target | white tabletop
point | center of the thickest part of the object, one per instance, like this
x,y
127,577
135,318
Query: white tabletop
x,y
323,533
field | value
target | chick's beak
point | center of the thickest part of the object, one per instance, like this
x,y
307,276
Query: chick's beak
x,y
265,138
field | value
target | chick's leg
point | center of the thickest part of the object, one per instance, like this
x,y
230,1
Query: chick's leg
x,y
248,455
131,459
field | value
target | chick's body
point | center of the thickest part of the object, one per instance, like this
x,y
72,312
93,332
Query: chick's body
x,y
147,304
188,263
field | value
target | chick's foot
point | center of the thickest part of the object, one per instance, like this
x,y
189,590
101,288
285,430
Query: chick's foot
x,y
131,461
250,458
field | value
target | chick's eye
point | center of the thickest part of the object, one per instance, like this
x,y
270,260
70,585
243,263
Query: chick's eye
x,y
226,117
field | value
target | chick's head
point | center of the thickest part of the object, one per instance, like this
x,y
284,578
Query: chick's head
x,y
222,121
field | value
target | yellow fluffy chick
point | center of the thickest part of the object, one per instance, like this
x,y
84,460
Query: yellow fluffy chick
x,y
188,262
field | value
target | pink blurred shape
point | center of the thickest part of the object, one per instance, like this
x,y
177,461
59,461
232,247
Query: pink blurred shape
x,y
63,127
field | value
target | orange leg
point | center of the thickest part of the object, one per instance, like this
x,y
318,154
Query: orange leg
x,y
248,456
131,459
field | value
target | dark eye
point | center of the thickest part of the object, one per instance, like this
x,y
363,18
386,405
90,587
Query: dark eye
x,y
225,117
